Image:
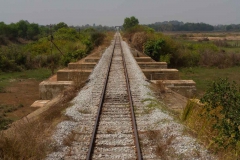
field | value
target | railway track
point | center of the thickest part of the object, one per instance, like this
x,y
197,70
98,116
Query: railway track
x,y
102,124
115,134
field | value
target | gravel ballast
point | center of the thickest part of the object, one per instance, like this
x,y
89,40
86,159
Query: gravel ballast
x,y
177,144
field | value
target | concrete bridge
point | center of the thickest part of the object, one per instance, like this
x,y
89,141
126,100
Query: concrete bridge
x,y
79,72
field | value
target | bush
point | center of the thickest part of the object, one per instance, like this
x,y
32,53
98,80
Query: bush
x,y
3,40
139,39
97,38
72,57
4,123
66,34
193,54
137,29
154,48
222,103
185,58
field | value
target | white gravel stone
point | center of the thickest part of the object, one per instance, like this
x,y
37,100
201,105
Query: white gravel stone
x,y
87,98
182,145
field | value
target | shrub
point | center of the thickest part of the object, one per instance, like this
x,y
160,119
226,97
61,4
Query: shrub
x,y
154,48
139,39
97,38
222,103
4,123
72,56
139,28
3,40
66,34
219,59
185,58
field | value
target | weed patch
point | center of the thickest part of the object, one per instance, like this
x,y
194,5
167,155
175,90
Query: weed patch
x,y
204,76
4,110
31,139
216,122
162,143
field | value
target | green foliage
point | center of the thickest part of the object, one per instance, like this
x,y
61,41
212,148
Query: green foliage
x,y
203,76
222,103
181,53
72,56
4,109
32,31
140,28
74,45
180,26
97,38
4,123
130,22
190,54
10,61
165,58
66,34
153,48
187,111
22,29
60,25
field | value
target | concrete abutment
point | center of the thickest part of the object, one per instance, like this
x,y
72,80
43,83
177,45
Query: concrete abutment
x,y
79,72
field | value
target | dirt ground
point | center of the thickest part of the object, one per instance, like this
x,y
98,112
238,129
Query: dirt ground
x,y
229,38
21,92
212,36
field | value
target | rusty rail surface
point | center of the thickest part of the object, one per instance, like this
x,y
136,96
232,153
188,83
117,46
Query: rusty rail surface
x,y
138,148
95,129
91,147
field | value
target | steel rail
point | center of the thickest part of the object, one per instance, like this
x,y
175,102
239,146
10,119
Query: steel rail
x,y
138,149
91,146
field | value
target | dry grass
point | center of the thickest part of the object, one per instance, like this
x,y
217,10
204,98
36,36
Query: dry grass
x,y
220,60
163,144
195,117
84,111
158,88
138,40
69,139
30,140
110,131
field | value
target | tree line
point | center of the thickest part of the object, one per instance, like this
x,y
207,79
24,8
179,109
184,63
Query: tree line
x,y
181,26
98,28
33,31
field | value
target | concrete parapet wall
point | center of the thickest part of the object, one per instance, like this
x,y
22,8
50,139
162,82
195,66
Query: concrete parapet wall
x,y
91,59
152,65
161,74
82,66
136,53
186,88
73,75
50,89
144,59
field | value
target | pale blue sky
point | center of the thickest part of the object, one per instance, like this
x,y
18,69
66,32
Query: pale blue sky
x,y
113,12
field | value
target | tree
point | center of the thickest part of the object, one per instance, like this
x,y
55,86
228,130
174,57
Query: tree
x,y
22,27
33,30
60,25
130,22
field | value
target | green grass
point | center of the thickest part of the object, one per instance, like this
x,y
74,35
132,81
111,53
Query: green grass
x,y
38,74
231,49
4,119
204,76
